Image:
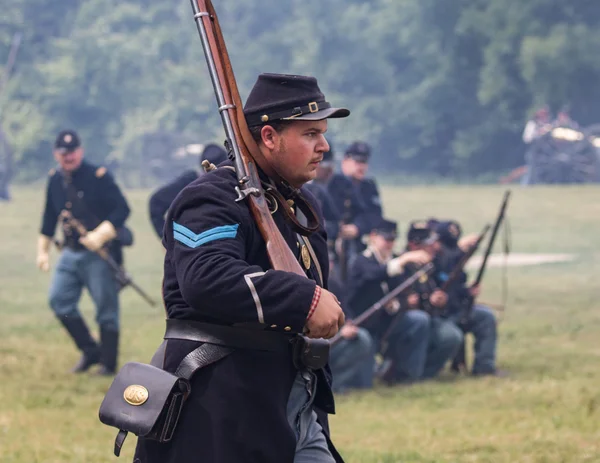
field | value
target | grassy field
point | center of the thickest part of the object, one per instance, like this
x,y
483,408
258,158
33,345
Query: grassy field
x,y
547,411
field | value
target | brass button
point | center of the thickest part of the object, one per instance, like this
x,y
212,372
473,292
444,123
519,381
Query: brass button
x,y
288,328
290,202
68,204
273,326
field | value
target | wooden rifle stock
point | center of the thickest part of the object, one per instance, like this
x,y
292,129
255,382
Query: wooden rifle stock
x,y
239,142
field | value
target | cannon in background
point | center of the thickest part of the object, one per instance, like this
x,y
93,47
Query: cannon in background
x,y
561,156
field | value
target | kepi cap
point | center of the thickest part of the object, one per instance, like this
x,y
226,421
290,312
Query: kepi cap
x,y
420,233
287,97
67,141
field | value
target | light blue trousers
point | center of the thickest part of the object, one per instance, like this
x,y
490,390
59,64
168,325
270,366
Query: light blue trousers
x,y
76,270
311,445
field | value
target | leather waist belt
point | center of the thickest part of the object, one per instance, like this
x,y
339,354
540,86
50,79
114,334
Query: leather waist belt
x,y
229,336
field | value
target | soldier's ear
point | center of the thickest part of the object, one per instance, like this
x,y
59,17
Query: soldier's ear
x,y
268,136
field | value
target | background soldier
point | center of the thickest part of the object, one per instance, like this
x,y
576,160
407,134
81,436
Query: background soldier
x,y
355,166
90,194
354,222
318,187
445,338
375,273
461,308
162,198
352,358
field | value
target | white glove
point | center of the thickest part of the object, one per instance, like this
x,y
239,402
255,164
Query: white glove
x,y
396,266
98,237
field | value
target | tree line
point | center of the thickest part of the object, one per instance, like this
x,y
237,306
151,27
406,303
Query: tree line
x,y
436,86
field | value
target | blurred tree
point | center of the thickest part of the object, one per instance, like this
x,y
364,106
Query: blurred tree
x,y
440,86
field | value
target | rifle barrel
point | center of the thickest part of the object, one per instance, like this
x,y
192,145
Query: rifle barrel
x,y
490,246
218,86
239,139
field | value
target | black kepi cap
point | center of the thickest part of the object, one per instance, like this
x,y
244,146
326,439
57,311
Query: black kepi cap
x,y
286,97
386,228
67,141
359,151
420,233
449,232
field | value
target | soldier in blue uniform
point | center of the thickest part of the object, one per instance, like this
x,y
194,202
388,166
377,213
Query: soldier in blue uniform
x,y
318,187
462,309
91,195
355,166
354,223
353,356
253,405
162,198
375,273
445,338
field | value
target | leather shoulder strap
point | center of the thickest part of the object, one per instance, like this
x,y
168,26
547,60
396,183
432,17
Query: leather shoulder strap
x,y
304,239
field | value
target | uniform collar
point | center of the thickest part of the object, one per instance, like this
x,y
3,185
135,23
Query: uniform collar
x,y
378,257
77,172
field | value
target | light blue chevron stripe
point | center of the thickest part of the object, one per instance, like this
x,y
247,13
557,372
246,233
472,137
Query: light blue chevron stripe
x,y
189,238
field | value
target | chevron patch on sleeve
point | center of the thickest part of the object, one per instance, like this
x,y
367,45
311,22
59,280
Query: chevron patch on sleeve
x,y
186,236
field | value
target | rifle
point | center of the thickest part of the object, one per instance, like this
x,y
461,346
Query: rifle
x,y
239,141
457,269
460,362
490,245
426,269
121,275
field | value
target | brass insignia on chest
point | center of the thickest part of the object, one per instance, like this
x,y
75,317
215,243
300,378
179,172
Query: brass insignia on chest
x,y
100,172
305,257
423,278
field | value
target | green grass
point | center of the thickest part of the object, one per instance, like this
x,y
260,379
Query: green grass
x,y
547,411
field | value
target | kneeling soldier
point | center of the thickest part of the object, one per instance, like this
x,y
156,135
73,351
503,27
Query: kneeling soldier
x,y
445,338
353,355
462,309
375,273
